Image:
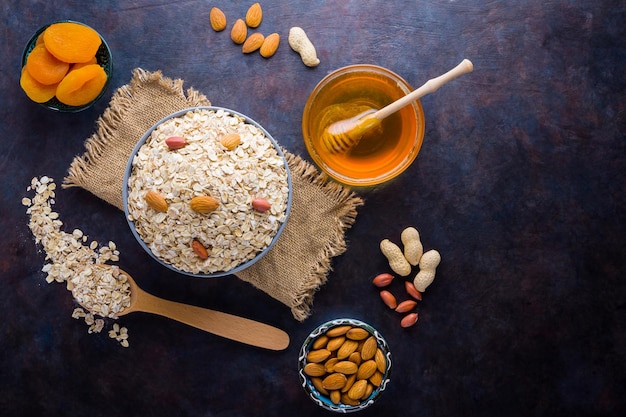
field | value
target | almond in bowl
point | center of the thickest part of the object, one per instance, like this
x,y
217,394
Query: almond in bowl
x,y
192,186
344,365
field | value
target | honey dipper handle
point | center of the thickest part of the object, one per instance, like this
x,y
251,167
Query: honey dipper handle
x,y
222,324
430,86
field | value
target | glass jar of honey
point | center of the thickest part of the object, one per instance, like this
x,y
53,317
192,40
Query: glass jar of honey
x,y
384,151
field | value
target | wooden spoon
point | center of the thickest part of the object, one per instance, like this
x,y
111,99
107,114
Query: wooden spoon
x,y
342,135
222,324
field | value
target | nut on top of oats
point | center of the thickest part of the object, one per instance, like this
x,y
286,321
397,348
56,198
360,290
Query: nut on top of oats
x,y
234,233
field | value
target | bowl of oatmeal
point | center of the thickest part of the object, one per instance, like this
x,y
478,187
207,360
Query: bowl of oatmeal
x,y
207,191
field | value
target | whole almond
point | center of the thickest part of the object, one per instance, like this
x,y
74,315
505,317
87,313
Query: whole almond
x,y
254,15
357,333
346,367
368,390
253,43
347,348
261,205
204,204
156,201
317,383
217,19
334,381
376,378
349,382
335,343
314,369
338,331
270,45
355,357
320,342
346,399
366,369
317,356
175,142
369,348
199,249
381,361
230,141
335,396
329,365
239,32
358,389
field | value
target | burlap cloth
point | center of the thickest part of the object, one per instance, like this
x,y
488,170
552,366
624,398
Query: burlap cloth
x,y
298,265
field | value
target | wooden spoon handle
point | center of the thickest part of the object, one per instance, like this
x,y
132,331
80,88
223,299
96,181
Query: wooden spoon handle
x,y
429,86
222,324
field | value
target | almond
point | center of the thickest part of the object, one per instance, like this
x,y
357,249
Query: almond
x,y
357,333
261,205
230,141
335,343
156,201
199,249
346,367
347,348
317,356
369,348
254,15
317,383
239,32
204,204
358,389
335,397
253,43
320,342
345,399
270,45
377,378
381,361
334,381
349,382
338,331
366,369
314,369
355,357
175,142
329,365
217,19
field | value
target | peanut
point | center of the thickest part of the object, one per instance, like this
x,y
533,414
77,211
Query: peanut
x,y
300,42
428,264
382,280
413,248
397,261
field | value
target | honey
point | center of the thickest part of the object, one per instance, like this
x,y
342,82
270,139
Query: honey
x,y
385,150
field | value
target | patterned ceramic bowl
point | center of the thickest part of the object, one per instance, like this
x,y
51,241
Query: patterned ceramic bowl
x,y
103,58
374,378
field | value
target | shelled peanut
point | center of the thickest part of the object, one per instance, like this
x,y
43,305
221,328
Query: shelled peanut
x,y
401,262
346,364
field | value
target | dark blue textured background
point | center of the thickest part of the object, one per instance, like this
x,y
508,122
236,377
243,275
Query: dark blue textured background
x,y
519,184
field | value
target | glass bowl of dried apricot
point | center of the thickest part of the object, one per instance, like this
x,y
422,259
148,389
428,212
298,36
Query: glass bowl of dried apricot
x,y
66,66
344,365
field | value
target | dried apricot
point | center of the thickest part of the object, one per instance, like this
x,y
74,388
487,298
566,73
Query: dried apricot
x,y
71,42
36,91
44,67
78,65
82,85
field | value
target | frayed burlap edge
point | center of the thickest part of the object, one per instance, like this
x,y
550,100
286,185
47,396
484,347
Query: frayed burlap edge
x,y
348,202
84,169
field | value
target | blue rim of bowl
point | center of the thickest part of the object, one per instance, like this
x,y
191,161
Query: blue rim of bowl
x,y
129,167
324,401
104,58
